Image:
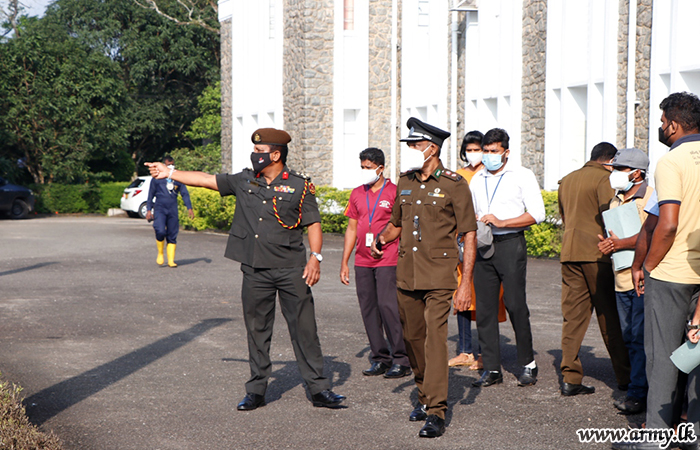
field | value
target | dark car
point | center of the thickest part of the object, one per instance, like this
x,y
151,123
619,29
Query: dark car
x,y
15,201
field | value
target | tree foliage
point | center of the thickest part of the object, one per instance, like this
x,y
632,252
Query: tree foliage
x,y
61,104
205,134
201,13
96,87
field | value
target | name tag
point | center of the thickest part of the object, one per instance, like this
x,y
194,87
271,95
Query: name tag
x,y
369,238
406,192
433,194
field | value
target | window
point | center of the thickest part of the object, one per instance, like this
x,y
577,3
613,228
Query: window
x,y
423,13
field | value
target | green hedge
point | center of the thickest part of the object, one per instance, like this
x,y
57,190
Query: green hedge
x,y
211,210
78,198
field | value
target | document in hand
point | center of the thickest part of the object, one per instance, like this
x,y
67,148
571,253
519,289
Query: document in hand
x,y
624,221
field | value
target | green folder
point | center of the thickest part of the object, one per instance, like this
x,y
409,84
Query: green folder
x,y
624,221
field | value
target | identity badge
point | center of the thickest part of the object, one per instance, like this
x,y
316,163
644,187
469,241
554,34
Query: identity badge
x,y
369,238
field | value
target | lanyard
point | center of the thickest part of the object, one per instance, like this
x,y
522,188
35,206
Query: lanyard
x,y
371,213
494,191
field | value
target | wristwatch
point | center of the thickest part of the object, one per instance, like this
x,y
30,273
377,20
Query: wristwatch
x,y
318,256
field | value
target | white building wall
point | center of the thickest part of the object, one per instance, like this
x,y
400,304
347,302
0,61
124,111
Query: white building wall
x,y
581,84
675,61
424,65
256,85
493,70
350,93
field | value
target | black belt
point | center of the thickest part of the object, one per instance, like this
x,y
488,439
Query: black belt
x,y
505,237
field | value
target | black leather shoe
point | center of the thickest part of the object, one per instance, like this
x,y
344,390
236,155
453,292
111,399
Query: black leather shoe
x,y
631,405
398,371
575,389
327,399
434,427
377,368
419,414
251,402
528,377
488,378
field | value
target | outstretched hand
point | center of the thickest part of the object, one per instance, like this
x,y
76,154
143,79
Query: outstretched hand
x,y
158,170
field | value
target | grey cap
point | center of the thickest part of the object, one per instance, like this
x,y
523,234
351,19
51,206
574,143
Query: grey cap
x,y
632,158
484,240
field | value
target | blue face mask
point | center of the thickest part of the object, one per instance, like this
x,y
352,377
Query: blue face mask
x,y
492,161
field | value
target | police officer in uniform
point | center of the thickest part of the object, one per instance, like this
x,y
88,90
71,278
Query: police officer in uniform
x,y
273,205
432,206
163,195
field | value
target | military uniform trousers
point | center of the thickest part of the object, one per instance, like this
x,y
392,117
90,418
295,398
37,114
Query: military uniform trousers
x,y
586,286
424,316
507,266
166,223
259,293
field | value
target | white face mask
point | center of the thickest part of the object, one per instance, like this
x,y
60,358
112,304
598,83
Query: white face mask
x,y
369,176
474,158
620,180
413,159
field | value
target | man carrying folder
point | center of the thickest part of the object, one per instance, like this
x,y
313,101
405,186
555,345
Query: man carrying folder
x,y
628,180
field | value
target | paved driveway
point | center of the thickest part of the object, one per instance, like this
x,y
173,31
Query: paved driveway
x,y
114,352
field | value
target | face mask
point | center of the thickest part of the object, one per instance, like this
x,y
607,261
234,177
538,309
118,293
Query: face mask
x,y
369,176
620,181
662,137
492,161
260,161
474,158
413,160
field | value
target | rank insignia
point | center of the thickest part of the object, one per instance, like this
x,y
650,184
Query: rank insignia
x,y
284,189
256,137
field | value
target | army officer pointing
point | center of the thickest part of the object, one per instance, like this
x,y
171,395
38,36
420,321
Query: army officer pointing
x,y
432,206
273,204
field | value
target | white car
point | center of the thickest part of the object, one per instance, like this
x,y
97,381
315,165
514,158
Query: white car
x,y
135,197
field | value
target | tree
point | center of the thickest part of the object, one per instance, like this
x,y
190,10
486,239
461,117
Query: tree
x,y
61,104
206,131
9,16
201,13
164,67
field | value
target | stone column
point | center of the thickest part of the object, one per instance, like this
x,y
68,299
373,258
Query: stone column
x,y
226,105
622,44
642,75
308,86
533,85
379,108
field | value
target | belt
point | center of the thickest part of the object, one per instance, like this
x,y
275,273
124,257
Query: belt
x,y
505,237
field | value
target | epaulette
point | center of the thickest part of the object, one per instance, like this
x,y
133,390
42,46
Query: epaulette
x,y
454,176
300,175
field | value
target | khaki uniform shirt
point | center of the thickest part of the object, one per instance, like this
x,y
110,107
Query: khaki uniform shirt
x,y
256,238
430,214
583,196
623,278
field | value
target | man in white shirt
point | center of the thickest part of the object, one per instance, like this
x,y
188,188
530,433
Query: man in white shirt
x,y
506,197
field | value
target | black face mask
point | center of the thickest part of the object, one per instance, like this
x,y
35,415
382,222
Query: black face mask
x,y
260,161
662,137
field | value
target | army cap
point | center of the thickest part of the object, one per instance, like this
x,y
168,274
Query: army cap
x,y
421,131
270,136
632,158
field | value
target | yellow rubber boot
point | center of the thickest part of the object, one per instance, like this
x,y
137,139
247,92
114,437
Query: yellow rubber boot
x,y
170,249
159,259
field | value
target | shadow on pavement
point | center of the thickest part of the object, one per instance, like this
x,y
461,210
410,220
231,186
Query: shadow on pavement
x,y
51,401
24,269
184,262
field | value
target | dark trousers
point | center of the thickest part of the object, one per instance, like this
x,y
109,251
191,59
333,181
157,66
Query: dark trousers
x,y
376,293
630,308
259,292
424,318
666,309
166,224
586,286
507,266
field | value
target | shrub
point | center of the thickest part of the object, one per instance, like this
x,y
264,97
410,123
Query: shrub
x,y
16,432
211,210
78,198
544,239
110,195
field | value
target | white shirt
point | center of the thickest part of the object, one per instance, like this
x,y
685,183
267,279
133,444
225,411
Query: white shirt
x,y
508,194
652,206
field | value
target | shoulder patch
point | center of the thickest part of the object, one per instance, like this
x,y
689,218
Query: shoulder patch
x,y
312,189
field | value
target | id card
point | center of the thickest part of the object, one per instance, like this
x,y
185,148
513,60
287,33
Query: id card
x,y
170,186
369,238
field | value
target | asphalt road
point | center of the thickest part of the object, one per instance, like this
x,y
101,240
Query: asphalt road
x,y
115,352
